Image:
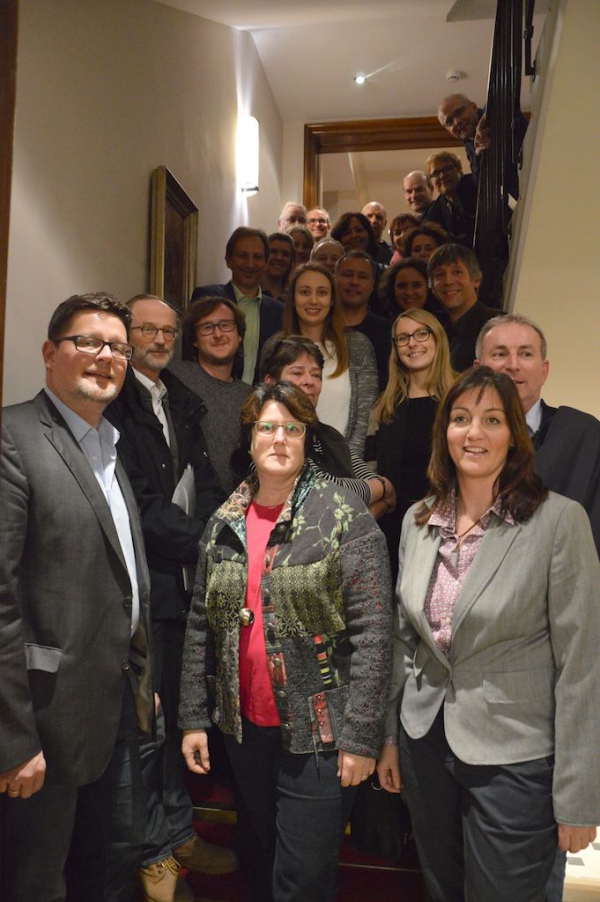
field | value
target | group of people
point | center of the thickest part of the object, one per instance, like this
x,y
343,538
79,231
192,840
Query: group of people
x,y
198,562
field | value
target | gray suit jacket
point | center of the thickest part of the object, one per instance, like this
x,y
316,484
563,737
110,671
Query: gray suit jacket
x,y
520,680
65,603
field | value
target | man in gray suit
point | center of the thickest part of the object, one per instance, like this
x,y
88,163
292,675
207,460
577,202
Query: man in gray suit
x,y
75,680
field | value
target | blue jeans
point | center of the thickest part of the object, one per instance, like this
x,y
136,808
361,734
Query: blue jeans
x,y
82,842
295,812
170,810
556,883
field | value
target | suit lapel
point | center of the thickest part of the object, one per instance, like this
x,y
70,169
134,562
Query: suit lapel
x,y
498,538
422,557
61,438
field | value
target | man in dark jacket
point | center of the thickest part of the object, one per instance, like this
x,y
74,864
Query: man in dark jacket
x,y
455,275
246,255
162,447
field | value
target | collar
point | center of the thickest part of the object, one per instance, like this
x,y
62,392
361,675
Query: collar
x,y
533,417
157,389
463,322
444,514
78,426
234,509
239,294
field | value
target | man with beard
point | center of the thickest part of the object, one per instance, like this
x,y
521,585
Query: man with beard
x,y
160,422
213,331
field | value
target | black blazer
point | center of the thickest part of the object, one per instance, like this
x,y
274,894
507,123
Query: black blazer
x,y
567,458
271,315
171,537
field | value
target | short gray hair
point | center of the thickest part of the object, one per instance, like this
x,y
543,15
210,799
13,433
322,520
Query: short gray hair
x,y
507,318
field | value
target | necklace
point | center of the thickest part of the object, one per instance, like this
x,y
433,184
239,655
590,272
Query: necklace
x,y
461,535
455,554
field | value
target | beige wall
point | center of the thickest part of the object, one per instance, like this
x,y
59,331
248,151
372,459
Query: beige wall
x,y
557,268
108,90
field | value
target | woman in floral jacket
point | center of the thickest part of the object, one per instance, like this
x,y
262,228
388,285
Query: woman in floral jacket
x,y
288,650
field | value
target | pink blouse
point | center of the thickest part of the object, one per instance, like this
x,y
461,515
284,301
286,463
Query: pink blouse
x,y
451,567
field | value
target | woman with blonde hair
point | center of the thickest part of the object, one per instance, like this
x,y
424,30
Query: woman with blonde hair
x,y
456,205
419,376
350,374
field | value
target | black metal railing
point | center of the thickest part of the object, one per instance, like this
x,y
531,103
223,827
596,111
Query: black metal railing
x,y
499,164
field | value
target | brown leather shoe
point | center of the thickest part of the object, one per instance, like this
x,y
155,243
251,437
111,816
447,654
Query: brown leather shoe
x,y
161,883
201,856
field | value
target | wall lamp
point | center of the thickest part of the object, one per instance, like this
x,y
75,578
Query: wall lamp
x,y
247,154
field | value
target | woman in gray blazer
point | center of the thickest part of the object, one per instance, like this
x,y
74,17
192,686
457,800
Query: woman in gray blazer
x,y
496,662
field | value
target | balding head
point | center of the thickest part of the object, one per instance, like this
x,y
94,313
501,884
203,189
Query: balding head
x,y
459,116
377,216
417,191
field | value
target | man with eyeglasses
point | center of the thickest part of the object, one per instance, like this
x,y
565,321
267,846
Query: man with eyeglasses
x,y
318,223
74,625
213,331
467,123
161,425
246,255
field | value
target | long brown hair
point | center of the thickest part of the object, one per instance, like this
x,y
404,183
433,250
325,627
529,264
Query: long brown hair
x,y
441,375
333,327
519,489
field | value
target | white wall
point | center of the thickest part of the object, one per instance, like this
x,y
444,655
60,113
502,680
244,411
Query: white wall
x,y
107,90
556,273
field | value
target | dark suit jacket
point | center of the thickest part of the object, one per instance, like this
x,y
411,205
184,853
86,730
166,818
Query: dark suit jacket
x,y
171,536
65,603
271,313
567,458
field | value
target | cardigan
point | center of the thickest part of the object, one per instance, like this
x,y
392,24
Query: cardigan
x,y
326,596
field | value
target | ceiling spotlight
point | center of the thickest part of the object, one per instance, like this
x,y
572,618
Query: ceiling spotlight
x,y
360,79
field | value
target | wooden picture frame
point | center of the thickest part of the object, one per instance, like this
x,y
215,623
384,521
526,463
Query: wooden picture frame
x,y
173,240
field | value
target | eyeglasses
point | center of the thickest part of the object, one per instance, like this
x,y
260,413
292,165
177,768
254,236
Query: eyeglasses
x,y
169,334
318,221
87,344
291,430
443,170
419,335
225,325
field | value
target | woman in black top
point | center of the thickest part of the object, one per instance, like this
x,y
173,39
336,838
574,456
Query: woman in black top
x,y
419,375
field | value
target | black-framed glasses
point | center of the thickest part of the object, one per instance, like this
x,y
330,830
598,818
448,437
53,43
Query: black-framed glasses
x,y
290,430
443,170
313,221
419,335
225,325
87,344
169,334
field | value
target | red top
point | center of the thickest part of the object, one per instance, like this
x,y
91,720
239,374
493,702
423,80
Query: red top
x,y
256,692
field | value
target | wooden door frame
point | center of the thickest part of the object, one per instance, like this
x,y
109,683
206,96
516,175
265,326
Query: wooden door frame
x,y
361,135
8,81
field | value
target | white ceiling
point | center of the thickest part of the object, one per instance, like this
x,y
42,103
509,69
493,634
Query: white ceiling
x,y
311,50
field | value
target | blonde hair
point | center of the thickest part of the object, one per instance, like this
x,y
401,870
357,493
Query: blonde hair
x,y
442,156
441,374
333,328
